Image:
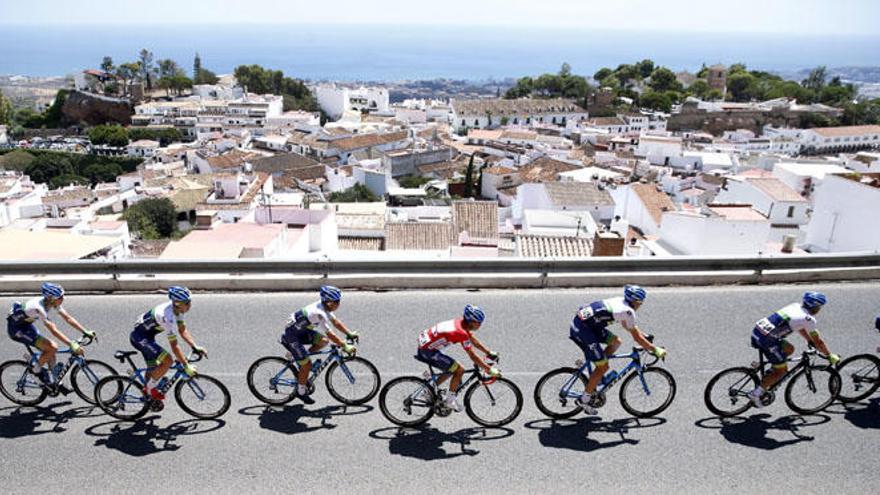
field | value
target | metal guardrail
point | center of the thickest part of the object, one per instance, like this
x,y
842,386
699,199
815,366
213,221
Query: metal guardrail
x,y
328,268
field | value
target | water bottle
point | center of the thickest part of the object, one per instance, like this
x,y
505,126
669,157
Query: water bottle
x,y
609,377
316,366
57,370
164,384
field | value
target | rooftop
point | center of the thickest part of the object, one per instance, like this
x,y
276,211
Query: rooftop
x,y
534,246
545,169
853,130
737,212
281,162
568,194
776,190
50,245
418,235
362,141
656,201
478,218
499,107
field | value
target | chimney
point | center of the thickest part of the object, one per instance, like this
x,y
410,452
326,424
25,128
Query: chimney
x,y
788,241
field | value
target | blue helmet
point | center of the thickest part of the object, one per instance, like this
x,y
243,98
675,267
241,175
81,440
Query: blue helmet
x,y
179,294
634,293
474,313
55,291
814,300
330,293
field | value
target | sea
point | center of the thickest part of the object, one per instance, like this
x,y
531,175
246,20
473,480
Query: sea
x,y
396,53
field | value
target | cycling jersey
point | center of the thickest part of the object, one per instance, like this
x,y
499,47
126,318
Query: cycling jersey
x,y
444,334
155,321
312,317
785,321
600,314
31,311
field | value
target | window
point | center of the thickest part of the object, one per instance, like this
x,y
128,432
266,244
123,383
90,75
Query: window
x,y
463,122
477,122
790,211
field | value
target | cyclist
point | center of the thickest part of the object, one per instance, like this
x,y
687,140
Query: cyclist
x,y
769,337
302,329
21,328
589,330
164,317
457,331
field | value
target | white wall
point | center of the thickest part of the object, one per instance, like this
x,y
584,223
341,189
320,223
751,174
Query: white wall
x,y
844,217
697,234
629,207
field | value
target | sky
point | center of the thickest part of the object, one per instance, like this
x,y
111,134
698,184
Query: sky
x,y
849,17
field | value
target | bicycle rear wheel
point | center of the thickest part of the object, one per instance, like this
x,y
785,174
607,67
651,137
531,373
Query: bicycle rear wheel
x,y
859,376
407,401
85,378
121,397
203,397
494,404
727,393
648,394
353,381
272,380
19,385
556,392
812,389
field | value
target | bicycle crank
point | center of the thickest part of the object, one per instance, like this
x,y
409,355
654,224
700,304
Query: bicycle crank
x,y
767,398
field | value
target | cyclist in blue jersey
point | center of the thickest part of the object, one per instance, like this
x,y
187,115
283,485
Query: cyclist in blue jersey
x,y
589,330
769,337
311,326
165,317
20,327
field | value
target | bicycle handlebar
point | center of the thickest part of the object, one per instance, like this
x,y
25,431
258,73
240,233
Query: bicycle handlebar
x,y
195,357
86,341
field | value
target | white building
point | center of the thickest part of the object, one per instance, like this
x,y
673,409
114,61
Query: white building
x,y
840,139
844,214
805,177
716,230
145,148
491,113
658,149
642,205
336,100
781,204
565,196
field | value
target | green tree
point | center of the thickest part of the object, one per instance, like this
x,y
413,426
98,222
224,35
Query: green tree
x,y
107,64
102,172
412,181
65,180
655,100
469,179
358,193
663,79
6,110
111,135
46,167
743,87
816,79
645,68
153,218
602,73
145,59
197,67
128,73
16,160
53,116
700,88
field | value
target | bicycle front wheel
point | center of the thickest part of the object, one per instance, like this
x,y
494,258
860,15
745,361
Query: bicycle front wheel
x,y
19,385
647,394
812,389
353,381
556,392
203,397
493,405
407,401
727,393
859,376
84,378
272,380
121,397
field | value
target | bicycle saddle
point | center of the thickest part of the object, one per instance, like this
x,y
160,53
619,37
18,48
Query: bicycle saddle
x,y
120,355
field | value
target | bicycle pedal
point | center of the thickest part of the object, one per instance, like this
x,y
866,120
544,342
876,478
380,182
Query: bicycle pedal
x,y
156,405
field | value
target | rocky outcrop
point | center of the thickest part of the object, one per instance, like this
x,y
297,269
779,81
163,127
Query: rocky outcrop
x,y
80,107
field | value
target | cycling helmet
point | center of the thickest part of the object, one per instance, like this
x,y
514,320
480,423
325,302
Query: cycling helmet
x,y
330,294
55,291
634,293
814,300
474,313
179,294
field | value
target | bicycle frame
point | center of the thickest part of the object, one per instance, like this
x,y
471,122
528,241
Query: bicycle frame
x,y
333,355
635,364
139,375
802,361
34,356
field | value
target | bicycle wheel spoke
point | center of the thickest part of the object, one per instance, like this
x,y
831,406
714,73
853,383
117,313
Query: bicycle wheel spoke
x,y
493,405
812,389
648,393
353,381
860,377
727,392
556,392
19,385
272,381
407,401
202,396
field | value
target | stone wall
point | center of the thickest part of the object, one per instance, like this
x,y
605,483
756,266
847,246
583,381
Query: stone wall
x,y
94,109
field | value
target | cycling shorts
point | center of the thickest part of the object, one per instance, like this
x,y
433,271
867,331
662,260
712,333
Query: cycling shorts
x,y
437,359
296,337
24,333
773,349
153,353
591,339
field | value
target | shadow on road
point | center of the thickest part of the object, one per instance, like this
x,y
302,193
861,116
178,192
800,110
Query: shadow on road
x,y
427,443
20,421
575,434
864,414
753,431
288,419
144,437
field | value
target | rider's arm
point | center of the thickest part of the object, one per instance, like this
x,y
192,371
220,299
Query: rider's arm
x,y
477,359
339,326
57,333
479,345
175,347
639,337
71,320
816,339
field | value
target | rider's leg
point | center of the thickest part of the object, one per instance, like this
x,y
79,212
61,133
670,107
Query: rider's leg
x,y
601,367
613,343
457,374
777,354
779,369
49,350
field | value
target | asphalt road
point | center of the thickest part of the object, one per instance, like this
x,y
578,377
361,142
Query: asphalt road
x,y
64,446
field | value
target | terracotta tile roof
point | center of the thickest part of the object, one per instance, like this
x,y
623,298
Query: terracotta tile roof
x,y
418,235
485,134
232,159
478,218
362,141
499,107
657,202
606,121
577,194
776,189
535,246
519,135
545,169
281,162
499,170
287,179
853,130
